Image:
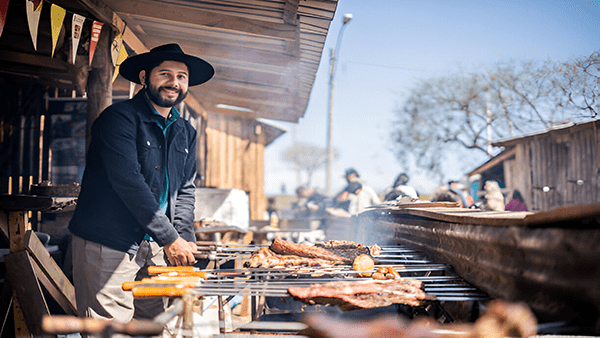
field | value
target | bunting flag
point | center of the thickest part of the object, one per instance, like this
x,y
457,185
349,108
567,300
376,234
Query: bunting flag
x,y
115,49
96,30
34,10
77,26
3,10
57,16
122,55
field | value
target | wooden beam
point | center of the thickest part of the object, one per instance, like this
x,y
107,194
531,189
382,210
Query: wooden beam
x,y
36,60
246,102
250,93
287,115
252,76
36,203
22,278
18,224
51,275
188,14
229,52
218,84
4,223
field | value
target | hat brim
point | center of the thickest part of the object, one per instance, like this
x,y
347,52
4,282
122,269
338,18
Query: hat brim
x,y
200,71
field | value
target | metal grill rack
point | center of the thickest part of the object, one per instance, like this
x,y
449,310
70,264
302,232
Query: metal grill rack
x,y
439,279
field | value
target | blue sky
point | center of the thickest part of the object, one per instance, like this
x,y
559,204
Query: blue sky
x,y
389,45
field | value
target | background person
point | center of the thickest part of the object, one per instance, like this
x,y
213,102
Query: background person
x,y
400,189
493,199
310,202
367,196
517,202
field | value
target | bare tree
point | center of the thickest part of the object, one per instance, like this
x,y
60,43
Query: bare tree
x,y
444,115
305,157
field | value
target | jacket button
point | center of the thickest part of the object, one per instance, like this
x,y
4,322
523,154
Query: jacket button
x,y
160,147
148,142
154,189
157,167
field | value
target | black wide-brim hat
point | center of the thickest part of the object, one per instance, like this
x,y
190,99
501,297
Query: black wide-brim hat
x,y
200,71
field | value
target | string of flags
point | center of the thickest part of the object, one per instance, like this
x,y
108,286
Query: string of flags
x,y
57,18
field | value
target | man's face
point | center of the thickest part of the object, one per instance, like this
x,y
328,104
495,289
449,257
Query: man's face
x,y
168,83
351,178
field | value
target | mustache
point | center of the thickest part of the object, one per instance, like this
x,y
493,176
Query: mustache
x,y
170,88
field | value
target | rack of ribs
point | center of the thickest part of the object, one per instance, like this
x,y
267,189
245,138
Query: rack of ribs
x,y
350,295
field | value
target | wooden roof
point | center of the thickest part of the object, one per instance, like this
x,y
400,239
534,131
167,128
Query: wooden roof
x,y
265,53
561,128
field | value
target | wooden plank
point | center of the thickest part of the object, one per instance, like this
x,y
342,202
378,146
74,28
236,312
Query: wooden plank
x,y
18,224
199,17
36,203
51,275
34,60
21,329
24,282
4,223
467,216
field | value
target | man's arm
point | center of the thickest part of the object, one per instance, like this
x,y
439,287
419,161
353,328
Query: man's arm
x,y
181,252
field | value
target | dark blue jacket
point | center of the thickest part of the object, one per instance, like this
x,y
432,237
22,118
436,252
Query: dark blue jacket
x,y
124,176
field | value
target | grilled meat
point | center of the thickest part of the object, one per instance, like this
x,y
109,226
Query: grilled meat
x,y
348,249
266,258
350,295
284,247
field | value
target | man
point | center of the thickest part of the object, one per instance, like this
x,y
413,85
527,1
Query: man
x,y
136,204
399,189
310,202
365,196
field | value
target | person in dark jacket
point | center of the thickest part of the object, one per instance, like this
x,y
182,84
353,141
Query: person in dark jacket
x,y
136,205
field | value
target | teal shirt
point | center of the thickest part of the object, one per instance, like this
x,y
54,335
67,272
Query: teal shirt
x,y
164,125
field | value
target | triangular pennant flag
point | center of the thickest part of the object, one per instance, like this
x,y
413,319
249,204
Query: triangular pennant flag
x,y
77,26
57,16
122,56
3,10
115,49
96,30
34,10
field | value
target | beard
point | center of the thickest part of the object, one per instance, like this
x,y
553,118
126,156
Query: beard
x,y
154,96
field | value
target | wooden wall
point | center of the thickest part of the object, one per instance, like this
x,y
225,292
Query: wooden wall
x,y
235,158
566,161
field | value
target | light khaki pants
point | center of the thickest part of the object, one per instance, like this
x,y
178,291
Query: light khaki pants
x,y
99,272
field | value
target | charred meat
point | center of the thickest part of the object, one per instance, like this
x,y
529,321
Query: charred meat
x,y
350,295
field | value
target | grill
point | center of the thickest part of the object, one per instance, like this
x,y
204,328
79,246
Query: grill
x,y
275,310
439,279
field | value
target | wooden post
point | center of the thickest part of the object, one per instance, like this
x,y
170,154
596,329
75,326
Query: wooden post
x,y
99,85
18,224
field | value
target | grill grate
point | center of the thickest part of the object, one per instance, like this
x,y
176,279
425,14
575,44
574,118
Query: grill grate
x,y
439,279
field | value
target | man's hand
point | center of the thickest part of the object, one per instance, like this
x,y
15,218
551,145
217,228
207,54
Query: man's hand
x,y
181,252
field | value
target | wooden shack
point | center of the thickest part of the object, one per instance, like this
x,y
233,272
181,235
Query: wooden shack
x,y
52,87
265,54
557,167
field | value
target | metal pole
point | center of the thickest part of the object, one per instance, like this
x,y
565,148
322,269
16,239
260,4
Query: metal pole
x,y
330,123
347,18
